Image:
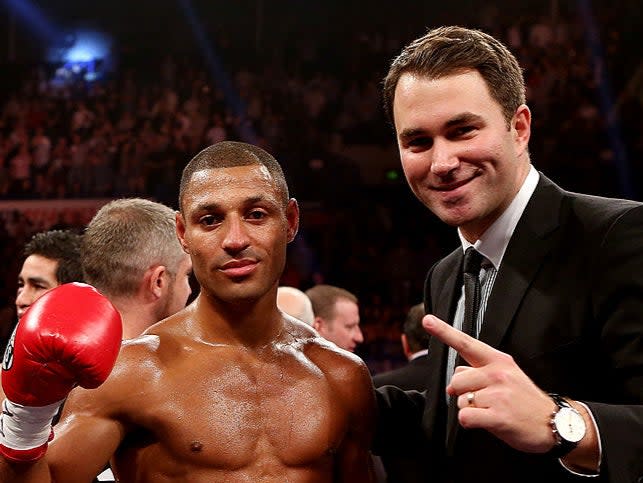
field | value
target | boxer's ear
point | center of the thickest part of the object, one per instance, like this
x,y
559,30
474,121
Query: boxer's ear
x,y
292,215
180,232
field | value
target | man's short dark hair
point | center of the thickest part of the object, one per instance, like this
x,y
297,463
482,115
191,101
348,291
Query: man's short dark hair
x,y
124,239
323,297
416,336
62,246
230,154
451,50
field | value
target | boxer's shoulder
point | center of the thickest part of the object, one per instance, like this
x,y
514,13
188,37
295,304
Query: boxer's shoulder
x,y
153,351
298,330
163,340
137,357
347,376
338,364
130,377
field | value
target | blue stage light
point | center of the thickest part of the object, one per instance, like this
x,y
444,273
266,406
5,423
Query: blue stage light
x,y
85,54
88,46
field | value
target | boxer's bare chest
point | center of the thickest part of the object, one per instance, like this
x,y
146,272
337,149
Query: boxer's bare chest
x,y
227,408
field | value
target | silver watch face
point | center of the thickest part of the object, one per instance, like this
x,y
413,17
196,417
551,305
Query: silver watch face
x,y
569,424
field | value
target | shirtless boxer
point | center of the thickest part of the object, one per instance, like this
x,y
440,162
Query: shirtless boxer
x,y
222,390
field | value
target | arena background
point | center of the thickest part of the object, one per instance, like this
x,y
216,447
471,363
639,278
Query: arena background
x,y
108,99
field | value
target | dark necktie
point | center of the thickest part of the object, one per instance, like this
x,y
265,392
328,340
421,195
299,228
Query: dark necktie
x,y
470,272
472,296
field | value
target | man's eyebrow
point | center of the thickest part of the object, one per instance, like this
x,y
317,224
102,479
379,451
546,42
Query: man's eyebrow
x,y
464,118
457,120
34,280
256,199
410,133
214,206
209,206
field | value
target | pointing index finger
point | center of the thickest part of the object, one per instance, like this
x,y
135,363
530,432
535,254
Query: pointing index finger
x,y
473,351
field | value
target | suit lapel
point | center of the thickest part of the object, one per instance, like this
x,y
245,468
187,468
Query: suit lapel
x,y
529,246
448,289
530,243
441,292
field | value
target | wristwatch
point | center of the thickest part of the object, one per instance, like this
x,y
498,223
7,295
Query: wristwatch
x,y
568,427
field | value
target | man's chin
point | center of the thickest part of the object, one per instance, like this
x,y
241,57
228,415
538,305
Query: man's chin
x,y
454,215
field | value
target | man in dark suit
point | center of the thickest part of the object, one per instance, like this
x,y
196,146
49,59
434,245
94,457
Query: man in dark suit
x,y
414,341
409,466
559,287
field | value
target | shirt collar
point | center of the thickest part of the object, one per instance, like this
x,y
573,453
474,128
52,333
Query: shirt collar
x,y
493,242
420,353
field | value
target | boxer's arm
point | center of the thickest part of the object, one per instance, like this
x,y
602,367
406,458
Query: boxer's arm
x,y
24,473
71,336
88,433
354,462
94,422
82,446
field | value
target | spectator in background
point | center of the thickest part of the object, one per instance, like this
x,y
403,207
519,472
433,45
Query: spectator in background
x,y
41,147
296,304
131,254
52,258
21,171
336,315
415,342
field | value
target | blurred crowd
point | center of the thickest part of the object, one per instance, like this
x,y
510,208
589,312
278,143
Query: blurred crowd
x,y
131,133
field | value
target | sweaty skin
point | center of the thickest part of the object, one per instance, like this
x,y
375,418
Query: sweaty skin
x,y
229,389
202,410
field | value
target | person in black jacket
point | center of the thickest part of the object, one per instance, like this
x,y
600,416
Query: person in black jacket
x,y
410,466
549,385
415,343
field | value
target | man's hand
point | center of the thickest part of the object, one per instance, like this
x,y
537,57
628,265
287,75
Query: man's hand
x,y
495,394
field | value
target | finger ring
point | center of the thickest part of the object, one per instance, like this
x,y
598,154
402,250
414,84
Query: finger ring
x,y
471,398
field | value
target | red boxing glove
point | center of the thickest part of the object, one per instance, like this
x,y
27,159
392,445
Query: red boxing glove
x,y
70,336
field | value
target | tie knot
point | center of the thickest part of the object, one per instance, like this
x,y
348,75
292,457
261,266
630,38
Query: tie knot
x,y
472,261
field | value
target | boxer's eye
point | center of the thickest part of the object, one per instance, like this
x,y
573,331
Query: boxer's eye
x,y
208,220
257,214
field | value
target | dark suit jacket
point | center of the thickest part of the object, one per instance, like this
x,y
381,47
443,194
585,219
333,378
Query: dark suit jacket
x,y
409,376
410,466
567,304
